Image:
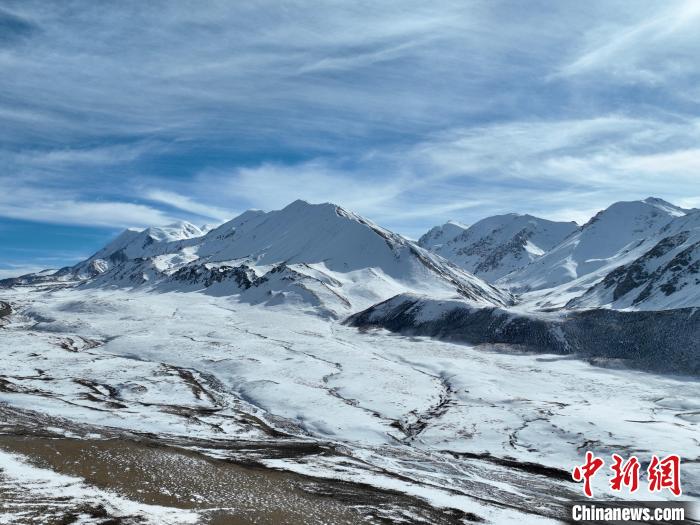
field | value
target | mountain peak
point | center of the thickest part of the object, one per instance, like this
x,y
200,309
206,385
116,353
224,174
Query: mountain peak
x,y
665,206
497,245
609,238
301,204
650,209
656,200
320,254
176,231
437,236
298,203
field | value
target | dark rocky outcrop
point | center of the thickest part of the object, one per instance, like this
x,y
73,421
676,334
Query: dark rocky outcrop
x,y
662,341
243,275
5,309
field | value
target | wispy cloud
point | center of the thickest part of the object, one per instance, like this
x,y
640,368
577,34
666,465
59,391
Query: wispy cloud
x,y
72,158
271,185
15,271
28,201
87,213
561,169
14,28
661,46
187,204
406,112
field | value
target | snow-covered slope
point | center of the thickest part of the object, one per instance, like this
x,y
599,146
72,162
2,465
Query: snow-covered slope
x,y
666,276
132,243
615,236
319,255
326,249
498,245
640,254
438,236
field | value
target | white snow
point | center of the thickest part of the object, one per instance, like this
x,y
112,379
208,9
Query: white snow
x,y
319,256
251,310
498,245
615,235
623,236
320,380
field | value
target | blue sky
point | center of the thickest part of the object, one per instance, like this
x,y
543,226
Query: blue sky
x,y
139,113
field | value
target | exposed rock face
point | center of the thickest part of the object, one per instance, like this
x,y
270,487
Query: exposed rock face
x,y
5,309
665,276
667,341
498,245
243,275
626,278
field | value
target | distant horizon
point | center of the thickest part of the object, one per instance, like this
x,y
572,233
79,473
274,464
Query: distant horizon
x,y
23,270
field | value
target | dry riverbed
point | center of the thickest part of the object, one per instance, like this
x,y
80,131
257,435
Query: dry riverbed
x,y
87,480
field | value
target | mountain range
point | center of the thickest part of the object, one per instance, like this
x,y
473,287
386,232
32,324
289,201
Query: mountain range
x,y
269,340
631,234
640,255
321,256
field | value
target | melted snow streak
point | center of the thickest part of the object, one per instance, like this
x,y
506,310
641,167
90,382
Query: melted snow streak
x,y
663,341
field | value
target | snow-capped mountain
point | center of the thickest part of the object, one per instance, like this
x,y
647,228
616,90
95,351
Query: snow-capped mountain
x,y
641,255
132,243
666,276
615,236
319,255
498,245
438,236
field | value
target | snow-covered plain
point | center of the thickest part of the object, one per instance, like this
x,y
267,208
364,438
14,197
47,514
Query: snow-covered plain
x,y
484,430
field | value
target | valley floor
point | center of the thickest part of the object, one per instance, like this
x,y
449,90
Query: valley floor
x,y
123,404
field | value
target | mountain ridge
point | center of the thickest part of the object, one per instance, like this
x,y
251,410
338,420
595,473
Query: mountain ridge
x,y
641,255
607,240
317,254
498,245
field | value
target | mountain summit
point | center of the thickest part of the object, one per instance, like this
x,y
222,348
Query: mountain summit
x,y
498,245
612,237
665,276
